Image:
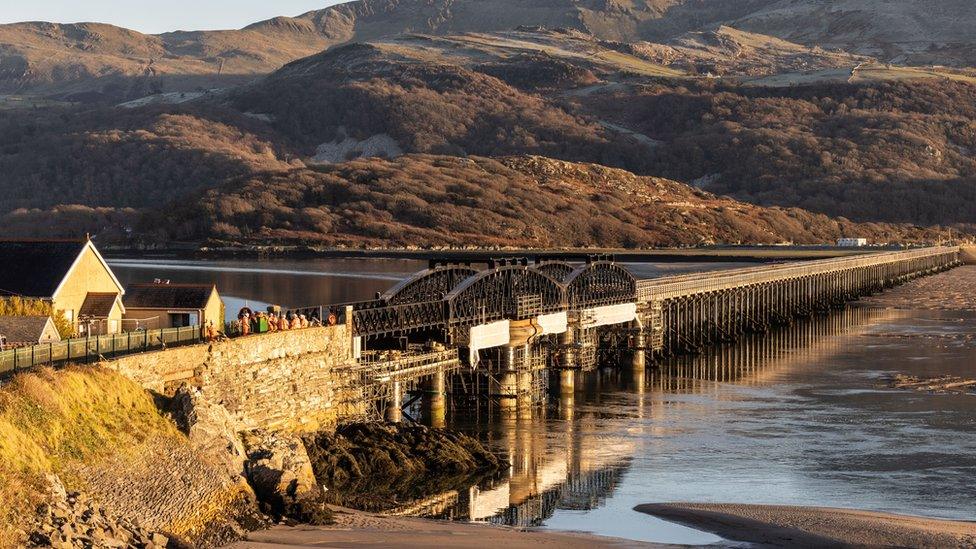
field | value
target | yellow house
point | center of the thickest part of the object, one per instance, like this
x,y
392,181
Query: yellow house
x,y
71,275
165,305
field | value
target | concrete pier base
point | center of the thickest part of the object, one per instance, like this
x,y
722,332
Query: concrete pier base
x,y
567,394
394,403
435,400
567,351
567,382
524,394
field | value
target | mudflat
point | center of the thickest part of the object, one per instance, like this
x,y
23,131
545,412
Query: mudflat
x,y
794,526
952,290
358,529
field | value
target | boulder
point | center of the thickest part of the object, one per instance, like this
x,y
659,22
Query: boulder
x,y
210,428
280,472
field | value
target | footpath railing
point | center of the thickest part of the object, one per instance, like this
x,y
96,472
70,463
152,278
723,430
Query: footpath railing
x,y
681,285
95,348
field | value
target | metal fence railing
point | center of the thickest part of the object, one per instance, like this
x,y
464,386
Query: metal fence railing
x,y
95,348
680,285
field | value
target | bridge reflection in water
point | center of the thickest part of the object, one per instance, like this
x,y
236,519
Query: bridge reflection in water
x,y
561,460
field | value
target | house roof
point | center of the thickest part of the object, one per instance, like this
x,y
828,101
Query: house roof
x,y
35,268
23,329
98,304
168,296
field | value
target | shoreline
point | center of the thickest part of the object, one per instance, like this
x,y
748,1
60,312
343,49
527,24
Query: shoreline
x,y
799,526
745,254
361,529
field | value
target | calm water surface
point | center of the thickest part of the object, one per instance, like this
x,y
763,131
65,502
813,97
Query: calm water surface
x,y
311,282
799,417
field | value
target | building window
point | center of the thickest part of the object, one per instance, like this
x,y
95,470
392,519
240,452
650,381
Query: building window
x,y
179,320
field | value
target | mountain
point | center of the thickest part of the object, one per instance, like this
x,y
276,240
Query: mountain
x,y
435,201
867,145
84,62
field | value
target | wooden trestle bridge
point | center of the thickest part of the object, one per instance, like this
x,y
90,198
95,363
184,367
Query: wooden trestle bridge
x,y
514,320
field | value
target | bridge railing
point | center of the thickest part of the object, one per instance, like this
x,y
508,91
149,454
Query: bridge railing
x,y
95,348
670,287
387,319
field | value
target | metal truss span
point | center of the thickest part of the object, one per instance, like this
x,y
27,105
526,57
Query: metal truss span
x,y
508,292
600,283
428,285
560,270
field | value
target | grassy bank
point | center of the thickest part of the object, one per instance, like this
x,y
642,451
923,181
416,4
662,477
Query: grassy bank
x,y
50,420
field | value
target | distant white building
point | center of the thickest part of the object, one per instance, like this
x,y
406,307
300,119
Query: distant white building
x,y
852,242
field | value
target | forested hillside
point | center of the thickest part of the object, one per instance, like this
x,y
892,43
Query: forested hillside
x,y
432,201
891,151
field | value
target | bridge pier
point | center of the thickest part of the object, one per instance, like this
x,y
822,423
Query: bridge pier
x,y
435,401
567,354
638,360
394,403
508,379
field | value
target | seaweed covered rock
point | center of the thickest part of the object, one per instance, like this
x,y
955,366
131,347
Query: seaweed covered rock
x,y
374,466
390,449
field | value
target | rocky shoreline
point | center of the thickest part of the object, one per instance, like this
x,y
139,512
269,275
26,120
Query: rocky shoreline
x,y
70,519
287,478
368,466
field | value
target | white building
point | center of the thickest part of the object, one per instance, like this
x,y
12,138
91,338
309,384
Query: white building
x,y
852,242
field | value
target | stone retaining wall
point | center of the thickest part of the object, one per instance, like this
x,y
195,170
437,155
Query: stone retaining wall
x,y
283,381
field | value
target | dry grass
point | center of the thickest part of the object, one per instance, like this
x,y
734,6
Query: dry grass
x,y
49,420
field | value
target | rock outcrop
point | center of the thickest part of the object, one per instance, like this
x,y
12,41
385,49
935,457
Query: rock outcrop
x,y
280,472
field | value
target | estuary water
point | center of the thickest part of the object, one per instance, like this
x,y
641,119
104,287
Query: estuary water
x,y
802,416
296,283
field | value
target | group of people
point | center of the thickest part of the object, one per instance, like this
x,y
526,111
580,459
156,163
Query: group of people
x,y
261,322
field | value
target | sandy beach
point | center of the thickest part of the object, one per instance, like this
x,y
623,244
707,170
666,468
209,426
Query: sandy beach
x,y
791,526
358,529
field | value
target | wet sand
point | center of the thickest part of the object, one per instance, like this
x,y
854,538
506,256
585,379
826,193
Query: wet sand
x,y
791,526
358,529
953,290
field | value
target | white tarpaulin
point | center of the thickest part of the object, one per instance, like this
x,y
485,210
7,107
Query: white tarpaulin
x,y
555,323
609,315
486,336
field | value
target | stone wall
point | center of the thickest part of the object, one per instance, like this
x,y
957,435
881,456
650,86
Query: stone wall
x,y
292,381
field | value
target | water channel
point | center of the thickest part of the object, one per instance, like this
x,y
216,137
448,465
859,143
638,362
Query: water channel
x,y
797,417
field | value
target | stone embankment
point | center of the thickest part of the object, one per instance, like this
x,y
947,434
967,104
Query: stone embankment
x,y
248,439
70,520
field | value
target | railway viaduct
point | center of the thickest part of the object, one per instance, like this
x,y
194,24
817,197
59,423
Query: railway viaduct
x,y
501,328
